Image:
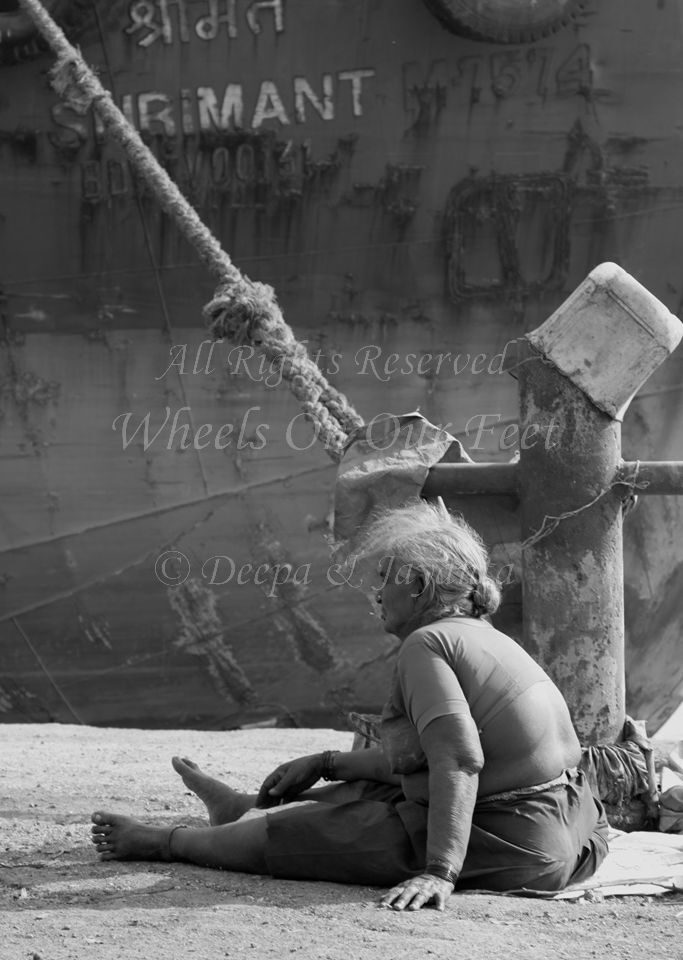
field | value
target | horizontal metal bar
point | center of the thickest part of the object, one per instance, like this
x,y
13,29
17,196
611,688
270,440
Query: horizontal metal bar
x,y
458,479
471,479
661,476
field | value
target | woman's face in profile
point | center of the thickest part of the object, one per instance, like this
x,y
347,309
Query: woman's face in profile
x,y
398,595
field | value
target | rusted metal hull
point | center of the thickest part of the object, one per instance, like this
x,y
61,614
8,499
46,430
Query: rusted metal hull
x,y
418,200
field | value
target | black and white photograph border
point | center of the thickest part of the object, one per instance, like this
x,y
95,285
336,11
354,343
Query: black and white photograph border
x,y
342,474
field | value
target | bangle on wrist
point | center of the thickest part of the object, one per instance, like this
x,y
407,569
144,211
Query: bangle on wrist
x,y
439,868
328,771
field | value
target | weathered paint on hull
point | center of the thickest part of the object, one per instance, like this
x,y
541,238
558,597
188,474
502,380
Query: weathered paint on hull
x,y
407,192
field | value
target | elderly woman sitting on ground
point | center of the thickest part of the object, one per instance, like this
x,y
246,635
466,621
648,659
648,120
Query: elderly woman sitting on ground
x,y
475,783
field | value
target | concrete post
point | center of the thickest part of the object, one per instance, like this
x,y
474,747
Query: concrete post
x,y
572,587
584,365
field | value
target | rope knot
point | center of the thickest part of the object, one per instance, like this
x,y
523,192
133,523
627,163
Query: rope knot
x,y
243,311
70,80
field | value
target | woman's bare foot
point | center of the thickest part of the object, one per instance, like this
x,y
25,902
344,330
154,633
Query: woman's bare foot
x,y
224,804
121,838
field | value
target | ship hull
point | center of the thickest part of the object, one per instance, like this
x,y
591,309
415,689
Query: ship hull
x,y
419,201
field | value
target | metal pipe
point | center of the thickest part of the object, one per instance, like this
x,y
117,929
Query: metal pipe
x,y
462,479
457,479
661,477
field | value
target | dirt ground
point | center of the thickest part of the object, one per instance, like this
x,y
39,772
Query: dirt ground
x,y
57,901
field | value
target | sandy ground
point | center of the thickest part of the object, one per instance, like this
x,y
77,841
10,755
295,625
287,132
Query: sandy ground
x,y
58,901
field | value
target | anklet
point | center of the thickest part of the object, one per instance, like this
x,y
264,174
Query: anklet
x,y
180,826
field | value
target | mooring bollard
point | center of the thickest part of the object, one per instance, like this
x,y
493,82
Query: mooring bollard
x,y
582,367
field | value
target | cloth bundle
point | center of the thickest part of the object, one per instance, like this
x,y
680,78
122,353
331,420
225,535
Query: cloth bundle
x,y
671,810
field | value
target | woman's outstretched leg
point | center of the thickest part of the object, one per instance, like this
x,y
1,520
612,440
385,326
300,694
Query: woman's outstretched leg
x,y
232,846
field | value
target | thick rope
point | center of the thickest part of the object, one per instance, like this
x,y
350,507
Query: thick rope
x,y
242,310
246,312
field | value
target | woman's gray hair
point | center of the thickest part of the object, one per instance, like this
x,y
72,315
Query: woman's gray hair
x,y
441,547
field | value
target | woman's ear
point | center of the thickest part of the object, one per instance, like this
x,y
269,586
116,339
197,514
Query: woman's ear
x,y
423,591
417,586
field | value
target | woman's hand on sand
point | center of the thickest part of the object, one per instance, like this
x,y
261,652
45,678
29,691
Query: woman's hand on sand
x,y
418,892
289,780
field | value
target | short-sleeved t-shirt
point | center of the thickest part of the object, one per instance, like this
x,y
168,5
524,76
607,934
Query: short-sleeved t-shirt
x,y
458,665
